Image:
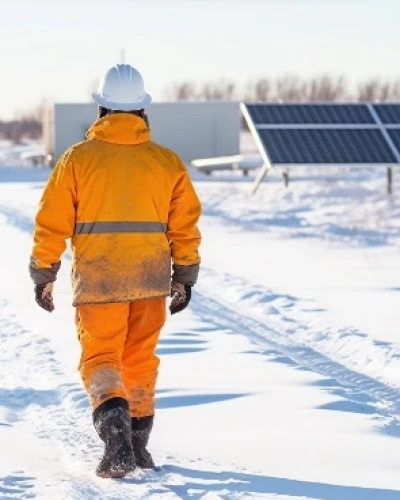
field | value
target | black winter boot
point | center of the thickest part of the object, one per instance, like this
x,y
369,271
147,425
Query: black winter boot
x,y
113,424
141,429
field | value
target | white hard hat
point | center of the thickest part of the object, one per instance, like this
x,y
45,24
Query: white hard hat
x,y
122,89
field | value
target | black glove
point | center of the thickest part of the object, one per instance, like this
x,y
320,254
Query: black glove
x,y
44,296
181,295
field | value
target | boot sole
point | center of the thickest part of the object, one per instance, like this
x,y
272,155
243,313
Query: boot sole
x,y
114,474
117,468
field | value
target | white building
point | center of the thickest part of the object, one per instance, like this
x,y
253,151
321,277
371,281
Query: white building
x,y
191,129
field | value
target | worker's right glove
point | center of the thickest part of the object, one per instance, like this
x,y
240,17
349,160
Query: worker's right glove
x,y
181,295
44,296
43,279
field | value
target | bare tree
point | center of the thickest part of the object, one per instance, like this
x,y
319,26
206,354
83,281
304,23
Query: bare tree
x,y
263,90
183,91
186,91
249,93
325,88
376,90
386,91
369,91
289,88
218,90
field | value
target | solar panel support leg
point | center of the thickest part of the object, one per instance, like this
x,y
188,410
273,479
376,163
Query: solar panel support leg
x,y
390,180
285,175
263,172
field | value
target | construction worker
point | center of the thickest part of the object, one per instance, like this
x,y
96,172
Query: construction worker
x,y
128,206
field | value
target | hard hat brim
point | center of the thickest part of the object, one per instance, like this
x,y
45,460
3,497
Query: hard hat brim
x,y
122,106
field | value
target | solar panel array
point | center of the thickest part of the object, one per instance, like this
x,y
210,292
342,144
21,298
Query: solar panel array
x,y
302,134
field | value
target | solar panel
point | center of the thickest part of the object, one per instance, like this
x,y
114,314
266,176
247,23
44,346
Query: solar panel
x,y
389,114
394,134
310,114
330,146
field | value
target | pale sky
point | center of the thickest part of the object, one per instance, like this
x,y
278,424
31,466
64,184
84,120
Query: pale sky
x,y
57,49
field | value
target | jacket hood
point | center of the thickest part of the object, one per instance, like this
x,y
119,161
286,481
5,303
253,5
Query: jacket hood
x,y
120,128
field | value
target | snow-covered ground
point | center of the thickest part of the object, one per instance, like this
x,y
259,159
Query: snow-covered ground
x,y
282,381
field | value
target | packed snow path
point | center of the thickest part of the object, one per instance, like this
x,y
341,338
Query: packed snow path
x,y
281,381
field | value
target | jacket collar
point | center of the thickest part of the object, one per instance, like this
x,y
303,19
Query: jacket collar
x,y
120,128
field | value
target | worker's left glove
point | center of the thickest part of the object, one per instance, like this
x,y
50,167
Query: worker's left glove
x,y
183,279
181,295
44,296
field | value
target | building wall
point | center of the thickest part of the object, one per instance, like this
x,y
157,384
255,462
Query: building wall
x,y
197,129
191,129
70,124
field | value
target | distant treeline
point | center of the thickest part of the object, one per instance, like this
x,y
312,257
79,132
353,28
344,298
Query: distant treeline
x,y
288,89
18,129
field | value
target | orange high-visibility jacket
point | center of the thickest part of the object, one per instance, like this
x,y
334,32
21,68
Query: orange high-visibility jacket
x,y
128,206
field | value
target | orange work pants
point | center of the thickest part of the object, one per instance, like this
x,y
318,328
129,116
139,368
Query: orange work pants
x,y
118,358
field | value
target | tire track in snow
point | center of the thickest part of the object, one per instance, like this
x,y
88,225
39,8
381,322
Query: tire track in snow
x,y
308,325
370,395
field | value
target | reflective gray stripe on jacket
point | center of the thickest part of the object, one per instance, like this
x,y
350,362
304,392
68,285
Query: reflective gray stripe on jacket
x,y
119,227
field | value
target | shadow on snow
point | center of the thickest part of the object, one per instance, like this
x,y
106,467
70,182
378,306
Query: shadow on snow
x,y
227,484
